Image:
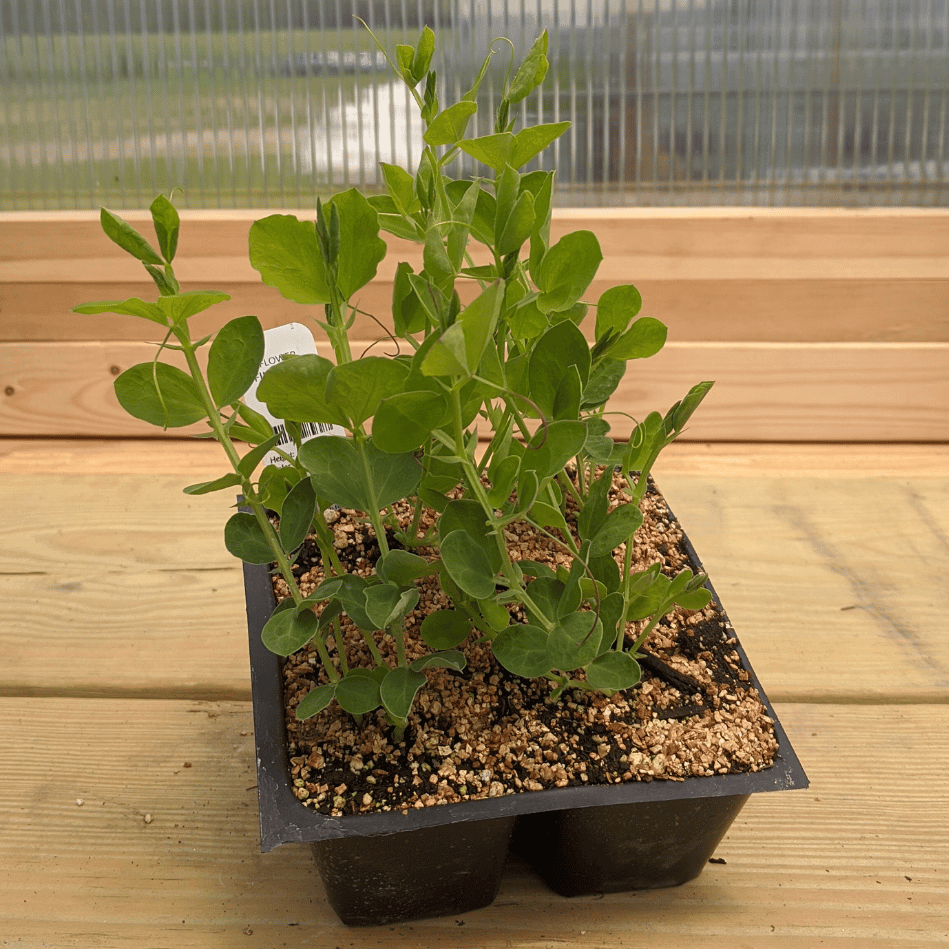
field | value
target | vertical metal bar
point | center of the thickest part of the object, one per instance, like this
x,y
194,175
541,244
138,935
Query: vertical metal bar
x,y
83,83
927,87
707,106
68,123
15,135
243,68
212,99
894,89
779,49
876,71
146,58
759,36
228,96
940,156
132,107
309,158
46,117
291,85
688,183
725,100
622,147
673,102
327,108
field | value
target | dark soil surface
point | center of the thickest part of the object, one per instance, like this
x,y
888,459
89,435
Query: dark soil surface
x,y
484,732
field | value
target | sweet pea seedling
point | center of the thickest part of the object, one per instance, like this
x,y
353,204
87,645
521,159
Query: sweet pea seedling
x,y
514,360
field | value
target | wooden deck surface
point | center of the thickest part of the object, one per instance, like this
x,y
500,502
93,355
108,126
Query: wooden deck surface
x,y
124,686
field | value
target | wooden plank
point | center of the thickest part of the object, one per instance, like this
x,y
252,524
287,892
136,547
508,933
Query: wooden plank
x,y
833,309
842,574
832,583
201,460
764,391
840,864
711,274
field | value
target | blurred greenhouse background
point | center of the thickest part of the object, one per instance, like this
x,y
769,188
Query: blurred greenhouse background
x,y
271,103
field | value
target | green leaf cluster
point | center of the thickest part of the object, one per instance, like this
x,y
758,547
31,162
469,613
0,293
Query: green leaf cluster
x,y
524,349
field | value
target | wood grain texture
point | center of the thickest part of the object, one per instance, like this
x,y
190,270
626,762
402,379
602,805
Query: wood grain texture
x,y
857,860
201,460
764,391
778,275
832,583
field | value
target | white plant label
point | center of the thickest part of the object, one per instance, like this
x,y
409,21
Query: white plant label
x,y
296,340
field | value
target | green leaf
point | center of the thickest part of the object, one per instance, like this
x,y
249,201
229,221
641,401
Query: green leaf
x,y
478,321
467,515
244,538
546,515
248,464
695,599
401,186
681,412
182,306
552,446
342,478
296,515
286,252
358,692
448,659
398,691
531,141
382,601
288,630
230,480
130,307
616,309
123,234
522,650
360,247
495,151
422,56
445,629
561,347
531,72
446,357
401,567
567,399
594,510
643,339
517,227
612,608
295,389
160,395
450,125
620,524
356,388
526,321
258,427
573,642
503,475
234,359
495,613
613,672
603,382
315,701
567,269
167,284
166,221
546,592
405,421
467,564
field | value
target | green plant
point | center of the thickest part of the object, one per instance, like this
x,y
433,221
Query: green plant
x,y
513,357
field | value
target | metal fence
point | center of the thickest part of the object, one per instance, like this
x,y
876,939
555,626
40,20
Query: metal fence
x,y
256,103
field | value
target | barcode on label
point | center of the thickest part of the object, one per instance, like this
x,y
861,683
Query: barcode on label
x,y
307,430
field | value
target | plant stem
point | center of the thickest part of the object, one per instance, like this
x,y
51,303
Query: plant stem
x,y
247,487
